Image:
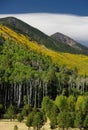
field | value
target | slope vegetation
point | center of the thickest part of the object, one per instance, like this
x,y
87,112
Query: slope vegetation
x,y
38,36
70,60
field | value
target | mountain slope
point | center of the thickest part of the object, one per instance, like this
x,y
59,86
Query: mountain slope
x,y
69,41
38,36
70,60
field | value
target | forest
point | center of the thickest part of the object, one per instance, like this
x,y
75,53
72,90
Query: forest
x,y
34,87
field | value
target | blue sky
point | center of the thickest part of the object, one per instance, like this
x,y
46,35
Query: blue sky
x,y
69,17
77,7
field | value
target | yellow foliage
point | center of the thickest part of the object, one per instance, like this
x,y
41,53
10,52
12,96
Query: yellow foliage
x,y
70,60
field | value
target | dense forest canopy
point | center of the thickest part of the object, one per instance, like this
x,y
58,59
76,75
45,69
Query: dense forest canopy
x,y
26,72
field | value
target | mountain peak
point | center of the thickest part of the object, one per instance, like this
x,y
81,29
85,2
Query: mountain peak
x,y
57,42
10,20
66,40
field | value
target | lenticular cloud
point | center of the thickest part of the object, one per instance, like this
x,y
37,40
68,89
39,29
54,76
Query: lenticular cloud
x,y
74,26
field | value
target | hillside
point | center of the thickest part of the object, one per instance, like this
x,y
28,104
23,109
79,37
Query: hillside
x,y
38,36
70,60
70,42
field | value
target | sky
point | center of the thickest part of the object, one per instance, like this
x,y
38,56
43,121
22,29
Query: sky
x,y
79,7
69,17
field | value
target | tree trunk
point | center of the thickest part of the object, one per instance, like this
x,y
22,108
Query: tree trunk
x,y
35,95
20,93
30,93
11,94
38,91
15,91
46,89
43,89
5,96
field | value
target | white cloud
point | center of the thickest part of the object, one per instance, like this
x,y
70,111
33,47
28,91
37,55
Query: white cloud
x,y
71,25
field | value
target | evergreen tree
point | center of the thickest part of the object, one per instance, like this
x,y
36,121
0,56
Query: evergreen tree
x,y
65,120
20,117
38,120
10,112
85,123
78,122
15,127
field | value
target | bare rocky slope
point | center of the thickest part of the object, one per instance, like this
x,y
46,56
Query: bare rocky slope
x,y
69,41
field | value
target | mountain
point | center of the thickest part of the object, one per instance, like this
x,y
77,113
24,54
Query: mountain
x,y
41,38
69,41
59,58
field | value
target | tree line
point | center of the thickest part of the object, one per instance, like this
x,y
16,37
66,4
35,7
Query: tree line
x,y
29,79
26,72
63,112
